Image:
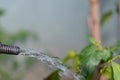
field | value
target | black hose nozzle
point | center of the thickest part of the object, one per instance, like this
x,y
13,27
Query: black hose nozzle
x,y
8,49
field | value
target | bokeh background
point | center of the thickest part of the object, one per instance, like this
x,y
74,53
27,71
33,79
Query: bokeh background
x,y
56,26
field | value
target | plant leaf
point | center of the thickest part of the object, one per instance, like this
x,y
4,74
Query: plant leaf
x,y
54,76
106,54
70,55
106,16
90,58
115,48
108,72
76,63
92,40
116,71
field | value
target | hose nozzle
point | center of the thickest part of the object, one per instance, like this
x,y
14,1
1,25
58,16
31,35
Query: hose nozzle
x,y
8,49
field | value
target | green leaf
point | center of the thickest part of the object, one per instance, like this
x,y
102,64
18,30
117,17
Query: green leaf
x,y
92,40
76,63
116,71
69,56
73,56
106,54
115,48
108,72
90,58
90,55
54,76
87,51
106,16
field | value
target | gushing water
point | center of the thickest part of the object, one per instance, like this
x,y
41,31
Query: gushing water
x,y
52,62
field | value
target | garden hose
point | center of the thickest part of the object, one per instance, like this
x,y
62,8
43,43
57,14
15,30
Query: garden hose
x,y
9,49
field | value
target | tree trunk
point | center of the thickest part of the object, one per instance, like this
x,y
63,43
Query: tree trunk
x,y
95,20
95,31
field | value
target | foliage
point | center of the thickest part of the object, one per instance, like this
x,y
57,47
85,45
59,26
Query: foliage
x,y
106,16
90,59
116,71
86,62
8,64
54,76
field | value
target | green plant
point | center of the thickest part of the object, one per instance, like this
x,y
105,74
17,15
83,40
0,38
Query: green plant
x,y
94,60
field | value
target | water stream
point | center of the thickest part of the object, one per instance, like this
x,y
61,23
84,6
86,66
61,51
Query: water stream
x,y
52,62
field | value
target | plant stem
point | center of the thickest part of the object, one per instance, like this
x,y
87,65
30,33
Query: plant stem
x,y
95,20
118,56
96,32
97,74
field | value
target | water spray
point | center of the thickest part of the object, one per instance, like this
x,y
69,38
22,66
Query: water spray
x,y
52,62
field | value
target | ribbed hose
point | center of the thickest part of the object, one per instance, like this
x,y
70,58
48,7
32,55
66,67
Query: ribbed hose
x,y
8,49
